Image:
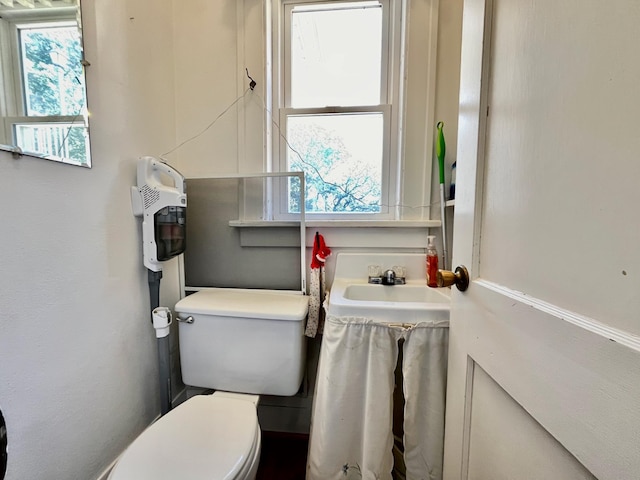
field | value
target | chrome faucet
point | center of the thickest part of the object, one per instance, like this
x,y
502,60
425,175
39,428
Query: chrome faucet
x,y
391,276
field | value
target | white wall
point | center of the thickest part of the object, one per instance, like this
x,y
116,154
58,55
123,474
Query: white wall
x,y
215,42
78,374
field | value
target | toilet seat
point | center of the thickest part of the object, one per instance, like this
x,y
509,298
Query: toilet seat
x,y
208,437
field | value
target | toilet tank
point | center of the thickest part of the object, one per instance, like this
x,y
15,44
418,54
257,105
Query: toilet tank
x,y
247,341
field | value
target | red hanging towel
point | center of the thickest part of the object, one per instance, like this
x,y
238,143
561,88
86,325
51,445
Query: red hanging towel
x,y
319,255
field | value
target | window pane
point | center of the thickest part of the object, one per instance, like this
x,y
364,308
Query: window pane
x,y
63,140
52,71
336,56
341,156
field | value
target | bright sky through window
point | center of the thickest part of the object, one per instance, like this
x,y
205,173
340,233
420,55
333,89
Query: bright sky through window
x,y
336,57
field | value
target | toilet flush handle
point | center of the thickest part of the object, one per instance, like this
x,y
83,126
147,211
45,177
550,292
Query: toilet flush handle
x,y
189,319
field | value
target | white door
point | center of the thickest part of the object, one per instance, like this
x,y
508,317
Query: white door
x,y
544,366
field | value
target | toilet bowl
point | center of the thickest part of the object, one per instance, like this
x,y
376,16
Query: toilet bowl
x,y
245,342
207,437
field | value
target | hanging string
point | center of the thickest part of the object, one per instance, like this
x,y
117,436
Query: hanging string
x,y
264,108
208,126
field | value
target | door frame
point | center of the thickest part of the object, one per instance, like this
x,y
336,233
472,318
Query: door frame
x,y
472,125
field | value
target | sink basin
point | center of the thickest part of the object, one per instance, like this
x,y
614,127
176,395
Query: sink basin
x,y
352,296
397,293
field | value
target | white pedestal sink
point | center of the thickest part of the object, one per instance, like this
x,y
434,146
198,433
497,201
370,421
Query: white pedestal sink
x,y
352,296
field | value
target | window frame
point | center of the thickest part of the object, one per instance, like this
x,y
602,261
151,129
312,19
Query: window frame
x,y
14,94
390,106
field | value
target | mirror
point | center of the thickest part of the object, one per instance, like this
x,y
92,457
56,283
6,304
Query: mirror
x,y
43,101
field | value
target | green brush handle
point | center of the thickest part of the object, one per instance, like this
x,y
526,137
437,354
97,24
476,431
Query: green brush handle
x,y
440,150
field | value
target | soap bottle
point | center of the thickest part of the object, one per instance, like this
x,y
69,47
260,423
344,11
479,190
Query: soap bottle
x,y
432,262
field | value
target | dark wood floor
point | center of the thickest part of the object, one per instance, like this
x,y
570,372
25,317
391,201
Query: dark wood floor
x,y
283,457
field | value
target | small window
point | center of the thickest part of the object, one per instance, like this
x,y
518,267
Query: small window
x,y
51,68
49,98
335,100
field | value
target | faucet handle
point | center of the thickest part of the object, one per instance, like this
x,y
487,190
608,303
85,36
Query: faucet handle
x,y
374,270
375,273
400,271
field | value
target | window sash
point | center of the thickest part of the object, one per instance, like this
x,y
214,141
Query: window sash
x,y
76,121
386,171
385,70
14,90
23,81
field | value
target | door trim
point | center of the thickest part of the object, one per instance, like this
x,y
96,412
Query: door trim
x,y
589,324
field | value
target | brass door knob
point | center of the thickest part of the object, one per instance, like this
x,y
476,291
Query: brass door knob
x,y
460,278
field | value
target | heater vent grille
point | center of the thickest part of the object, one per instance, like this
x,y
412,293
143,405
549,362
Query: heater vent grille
x,y
149,196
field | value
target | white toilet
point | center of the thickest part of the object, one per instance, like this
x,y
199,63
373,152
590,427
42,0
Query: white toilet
x,y
249,342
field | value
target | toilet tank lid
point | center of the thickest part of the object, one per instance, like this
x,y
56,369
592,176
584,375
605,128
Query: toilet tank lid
x,y
236,302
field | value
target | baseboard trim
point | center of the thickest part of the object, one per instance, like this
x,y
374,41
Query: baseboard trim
x,y
179,398
104,475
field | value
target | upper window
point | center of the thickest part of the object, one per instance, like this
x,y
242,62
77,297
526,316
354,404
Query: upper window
x,y
51,68
46,108
335,95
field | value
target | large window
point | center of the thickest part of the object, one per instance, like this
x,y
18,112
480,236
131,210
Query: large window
x,y
336,92
46,107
